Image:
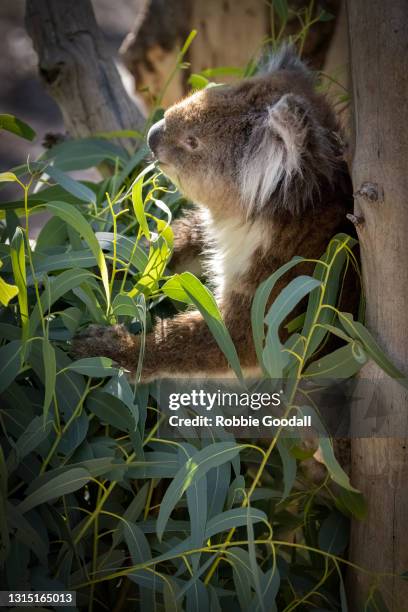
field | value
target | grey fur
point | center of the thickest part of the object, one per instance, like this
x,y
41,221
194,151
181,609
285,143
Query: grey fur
x,y
285,58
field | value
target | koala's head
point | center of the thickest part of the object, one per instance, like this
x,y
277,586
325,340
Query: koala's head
x,y
264,145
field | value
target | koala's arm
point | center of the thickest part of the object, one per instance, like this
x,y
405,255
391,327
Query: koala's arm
x,y
189,241
180,346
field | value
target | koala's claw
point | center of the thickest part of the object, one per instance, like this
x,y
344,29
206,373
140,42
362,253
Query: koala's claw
x,y
91,331
113,341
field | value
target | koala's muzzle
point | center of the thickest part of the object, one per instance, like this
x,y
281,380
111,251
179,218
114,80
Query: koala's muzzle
x,y
154,135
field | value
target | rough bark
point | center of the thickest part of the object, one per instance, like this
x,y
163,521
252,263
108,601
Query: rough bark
x,y
378,33
77,69
337,70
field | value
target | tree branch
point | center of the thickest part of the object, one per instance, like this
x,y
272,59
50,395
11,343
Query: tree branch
x,y
77,70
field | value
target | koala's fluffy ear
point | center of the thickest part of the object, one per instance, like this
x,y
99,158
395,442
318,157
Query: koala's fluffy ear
x,y
285,58
273,154
287,149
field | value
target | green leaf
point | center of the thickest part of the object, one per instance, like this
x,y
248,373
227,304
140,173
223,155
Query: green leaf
x,y
155,465
242,575
7,291
57,287
329,273
260,301
236,517
73,187
197,508
75,219
86,294
373,349
53,233
194,468
125,306
170,595
342,363
17,251
73,259
270,582
68,482
119,387
223,71
96,367
8,177
136,542
343,595
273,357
35,433
119,134
218,484
325,16
9,363
71,318
334,533
74,435
197,81
95,467
27,534
187,43
110,410
256,571
127,249
16,126
4,528
282,9
137,201
289,467
45,194
3,475
50,369
197,598
353,503
85,153
335,470
156,264
202,298
131,514
174,290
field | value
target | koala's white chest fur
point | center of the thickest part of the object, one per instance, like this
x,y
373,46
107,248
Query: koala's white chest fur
x,y
233,245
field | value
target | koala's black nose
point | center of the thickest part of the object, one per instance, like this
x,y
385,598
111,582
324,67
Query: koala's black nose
x,y
154,135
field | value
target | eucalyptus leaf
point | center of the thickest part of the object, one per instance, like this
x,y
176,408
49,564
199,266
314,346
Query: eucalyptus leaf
x,y
137,542
206,304
16,126
74,187
96,367
10,359
31,438
69,481
50,369
195,468
334,533
335,470
20,278
74,218
110,410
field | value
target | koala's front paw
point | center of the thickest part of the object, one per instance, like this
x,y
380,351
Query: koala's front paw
x,y
114,342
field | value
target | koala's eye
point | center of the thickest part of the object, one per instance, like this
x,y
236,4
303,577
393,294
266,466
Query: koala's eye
x,y
192,142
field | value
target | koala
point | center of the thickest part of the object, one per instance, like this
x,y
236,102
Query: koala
x,y
263,162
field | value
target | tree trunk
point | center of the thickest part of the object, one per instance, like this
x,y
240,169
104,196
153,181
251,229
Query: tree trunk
x,y
77,69
230,33
378,33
